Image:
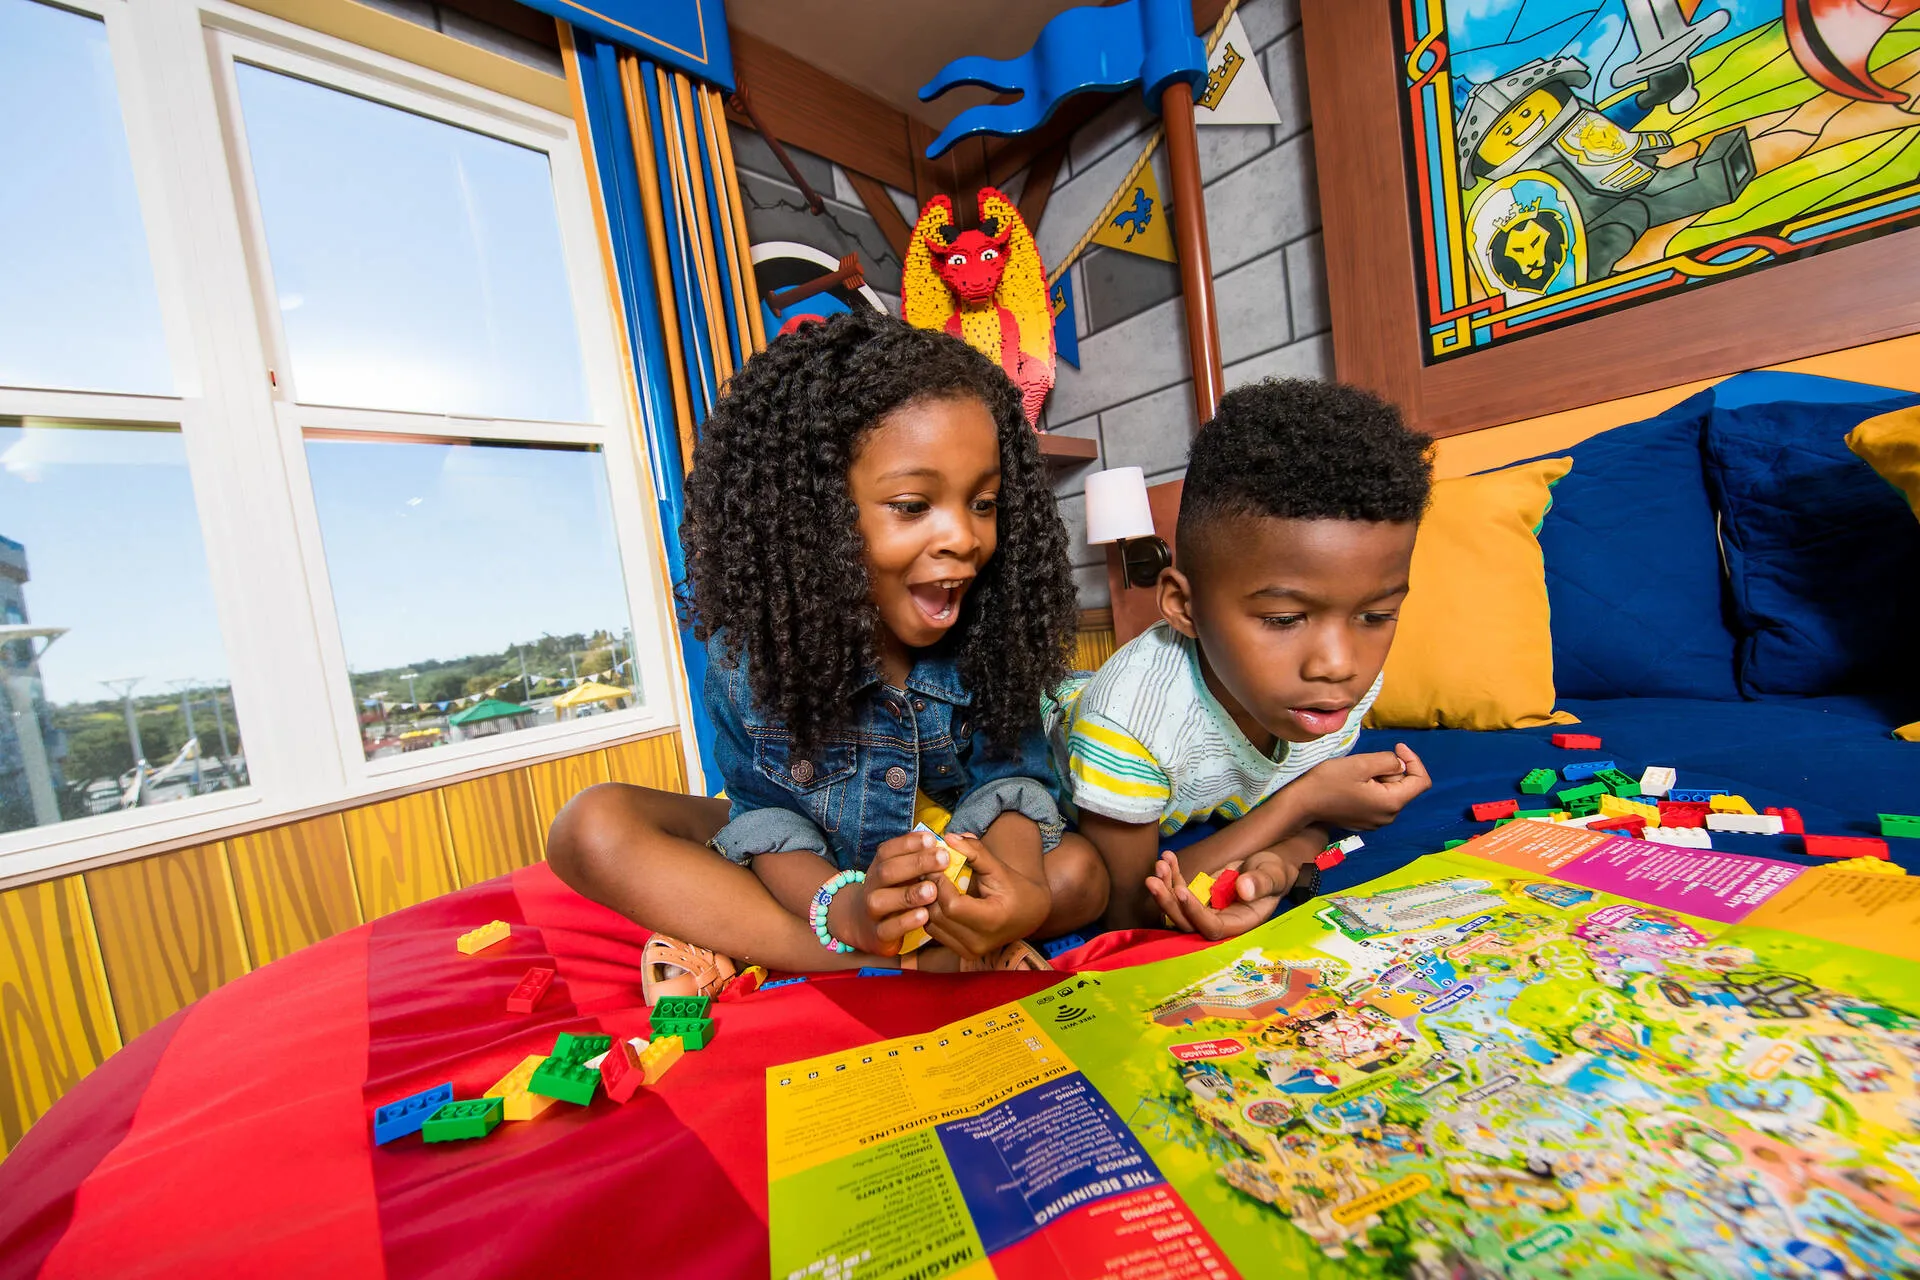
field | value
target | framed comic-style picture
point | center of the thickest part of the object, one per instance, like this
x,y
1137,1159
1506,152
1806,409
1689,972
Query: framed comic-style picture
x,y
1531,205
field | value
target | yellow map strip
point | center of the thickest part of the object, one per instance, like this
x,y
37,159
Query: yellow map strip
x,y
1373,1202
828,1107
1881,913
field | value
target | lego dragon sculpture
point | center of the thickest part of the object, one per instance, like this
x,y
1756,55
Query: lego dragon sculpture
x,y
986,287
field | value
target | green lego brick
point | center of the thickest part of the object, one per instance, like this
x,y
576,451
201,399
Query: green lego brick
x,y
1536,813
1585,791
1585,807
1538,782
572,1048
1452,844
1618,783
679,1008
472,1118
1900,824
567,1081
694,1033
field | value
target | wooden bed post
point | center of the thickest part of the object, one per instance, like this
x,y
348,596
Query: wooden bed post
x,y
1190,239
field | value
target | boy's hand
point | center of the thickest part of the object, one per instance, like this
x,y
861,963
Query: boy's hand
x,y
1365,791
1008,905
1264,878
897,896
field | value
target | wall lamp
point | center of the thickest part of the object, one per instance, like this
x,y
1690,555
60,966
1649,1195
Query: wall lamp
x,y
1117,511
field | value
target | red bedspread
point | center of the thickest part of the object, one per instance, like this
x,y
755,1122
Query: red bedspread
x,y
236,1137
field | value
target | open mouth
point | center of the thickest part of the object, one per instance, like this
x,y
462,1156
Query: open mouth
x,y
939,601
1320,721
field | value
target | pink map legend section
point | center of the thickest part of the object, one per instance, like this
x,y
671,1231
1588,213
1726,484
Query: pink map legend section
x,y
1712,886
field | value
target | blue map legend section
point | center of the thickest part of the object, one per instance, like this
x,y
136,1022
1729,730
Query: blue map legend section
x,y
1041,1154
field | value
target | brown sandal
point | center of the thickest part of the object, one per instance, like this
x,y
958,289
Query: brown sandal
x,y
670,967
1014,957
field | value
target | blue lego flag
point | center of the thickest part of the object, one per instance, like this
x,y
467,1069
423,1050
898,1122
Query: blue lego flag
x,y
1066,339
1150,42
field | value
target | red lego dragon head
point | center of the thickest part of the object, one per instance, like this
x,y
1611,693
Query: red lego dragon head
x,y
970,262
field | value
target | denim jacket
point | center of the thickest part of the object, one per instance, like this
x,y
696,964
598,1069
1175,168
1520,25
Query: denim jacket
x,y
856,791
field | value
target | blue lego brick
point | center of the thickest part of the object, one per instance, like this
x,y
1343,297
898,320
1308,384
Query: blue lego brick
x,y
782,982
405,1115
878,971
1583,769
1695,795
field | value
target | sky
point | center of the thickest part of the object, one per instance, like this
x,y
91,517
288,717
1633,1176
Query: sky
x,y
77,302
416,265
439,551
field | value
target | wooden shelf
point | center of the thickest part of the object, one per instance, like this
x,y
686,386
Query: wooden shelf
x,y
1063,453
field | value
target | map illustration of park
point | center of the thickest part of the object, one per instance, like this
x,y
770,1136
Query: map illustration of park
x,y
1545,1054
1462,1075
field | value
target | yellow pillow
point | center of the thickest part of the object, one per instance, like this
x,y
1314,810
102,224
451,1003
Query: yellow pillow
x,y
1890,444
1474,649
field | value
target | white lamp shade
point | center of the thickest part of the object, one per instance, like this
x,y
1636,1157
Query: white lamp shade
x,y
1117,506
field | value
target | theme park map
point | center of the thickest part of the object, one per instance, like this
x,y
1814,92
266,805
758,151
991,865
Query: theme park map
x,y
1548,1053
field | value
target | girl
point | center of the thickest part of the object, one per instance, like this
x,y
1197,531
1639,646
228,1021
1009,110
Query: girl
x,y
877,568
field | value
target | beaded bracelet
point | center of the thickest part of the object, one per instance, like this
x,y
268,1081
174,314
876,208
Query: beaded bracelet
x,y
823,901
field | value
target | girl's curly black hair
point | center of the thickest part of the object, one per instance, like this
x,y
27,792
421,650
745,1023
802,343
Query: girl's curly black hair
x,y
775,562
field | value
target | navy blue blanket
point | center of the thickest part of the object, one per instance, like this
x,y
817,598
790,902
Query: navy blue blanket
x,y
1831,758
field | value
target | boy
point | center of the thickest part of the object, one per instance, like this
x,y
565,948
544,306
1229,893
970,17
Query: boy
x,y
1295,536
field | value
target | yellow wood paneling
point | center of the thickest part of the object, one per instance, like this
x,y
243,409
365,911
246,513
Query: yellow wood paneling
x,y
56,1019
557,781
399,851
492,824
1091,649
169,932
294,886
651,762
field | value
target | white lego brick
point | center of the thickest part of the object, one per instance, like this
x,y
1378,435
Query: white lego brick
x,y
1587,821
1764,824
1657,780
1351,844
1681,837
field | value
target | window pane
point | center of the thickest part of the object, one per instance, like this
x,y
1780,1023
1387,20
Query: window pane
x,y
478,587
418,265
77,303
110,651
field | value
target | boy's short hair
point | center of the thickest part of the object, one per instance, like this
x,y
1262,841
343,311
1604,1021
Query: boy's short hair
x,y
1300,449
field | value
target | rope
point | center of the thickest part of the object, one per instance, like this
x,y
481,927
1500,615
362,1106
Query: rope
x,y
1126,184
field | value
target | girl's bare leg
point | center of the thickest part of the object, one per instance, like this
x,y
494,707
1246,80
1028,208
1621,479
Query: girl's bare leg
x,y
644,853
1077,879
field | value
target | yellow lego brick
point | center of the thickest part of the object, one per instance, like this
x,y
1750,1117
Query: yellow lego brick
x,y
1615,807
660,1054
483,937
960,875
1859,867
511,1089
1729,804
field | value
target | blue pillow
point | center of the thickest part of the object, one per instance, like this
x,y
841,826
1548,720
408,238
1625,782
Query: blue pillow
x,y
1822,554
1633,566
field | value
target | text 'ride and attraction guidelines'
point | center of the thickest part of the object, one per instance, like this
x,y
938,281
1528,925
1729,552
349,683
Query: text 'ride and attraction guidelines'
x,y
1545,1053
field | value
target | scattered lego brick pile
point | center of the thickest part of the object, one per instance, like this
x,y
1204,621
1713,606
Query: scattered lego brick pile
x,y
1598,795
574,1070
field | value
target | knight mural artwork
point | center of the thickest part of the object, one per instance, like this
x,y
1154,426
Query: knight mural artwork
x,y
1575,159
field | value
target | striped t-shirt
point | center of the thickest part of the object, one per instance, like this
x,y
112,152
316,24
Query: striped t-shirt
x,y
1146,741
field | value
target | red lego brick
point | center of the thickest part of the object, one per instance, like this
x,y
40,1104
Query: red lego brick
x,y
1631,824
1222,896
1493,809
621,1072
1328,859
1683,813
1846,847
526,996
1790,822
1576,741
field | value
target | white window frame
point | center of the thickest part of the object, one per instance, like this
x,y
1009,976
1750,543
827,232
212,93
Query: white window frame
x,y
245,438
